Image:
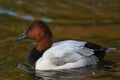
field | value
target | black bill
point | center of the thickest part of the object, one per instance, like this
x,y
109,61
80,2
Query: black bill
x,y
21,37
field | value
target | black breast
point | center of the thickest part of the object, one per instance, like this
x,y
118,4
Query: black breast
x,y
99,51
33,56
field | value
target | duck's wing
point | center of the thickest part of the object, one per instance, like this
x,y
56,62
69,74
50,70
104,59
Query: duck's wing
x,y
84,51
74,46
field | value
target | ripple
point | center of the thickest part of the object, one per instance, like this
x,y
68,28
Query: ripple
x,y
46,19
11,13
26,17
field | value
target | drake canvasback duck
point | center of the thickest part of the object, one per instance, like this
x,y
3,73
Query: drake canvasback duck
x,y
60,55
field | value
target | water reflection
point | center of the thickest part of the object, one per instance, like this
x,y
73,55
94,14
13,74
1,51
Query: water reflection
x,y
77,74
11,13
67,13
73,77
26,17
85,73
46,19
63,75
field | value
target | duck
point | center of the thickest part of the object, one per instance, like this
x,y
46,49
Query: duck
x,y
67,54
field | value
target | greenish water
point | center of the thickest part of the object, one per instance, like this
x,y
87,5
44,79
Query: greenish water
x,y
88,20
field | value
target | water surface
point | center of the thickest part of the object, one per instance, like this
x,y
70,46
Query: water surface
x,y
93,20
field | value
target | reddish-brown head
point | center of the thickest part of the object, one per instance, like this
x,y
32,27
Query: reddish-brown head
x,y
39,31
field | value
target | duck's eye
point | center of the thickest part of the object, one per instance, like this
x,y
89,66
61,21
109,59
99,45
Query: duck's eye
x,y
30,28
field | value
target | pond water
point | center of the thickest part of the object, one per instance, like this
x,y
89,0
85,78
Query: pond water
x,y
93,20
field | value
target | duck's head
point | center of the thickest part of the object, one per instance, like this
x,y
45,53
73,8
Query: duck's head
x,y
39,31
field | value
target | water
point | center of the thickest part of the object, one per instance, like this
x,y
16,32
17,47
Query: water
x,y
26,17
80,73
95,21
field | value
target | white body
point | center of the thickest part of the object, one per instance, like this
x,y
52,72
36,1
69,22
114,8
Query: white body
x,y
65,55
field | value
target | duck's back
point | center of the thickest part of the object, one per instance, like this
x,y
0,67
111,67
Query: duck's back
x,y
70,46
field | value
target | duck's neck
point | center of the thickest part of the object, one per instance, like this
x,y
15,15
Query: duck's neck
x,y
44,44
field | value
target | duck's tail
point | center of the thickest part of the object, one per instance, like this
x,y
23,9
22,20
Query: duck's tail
x,y
110,50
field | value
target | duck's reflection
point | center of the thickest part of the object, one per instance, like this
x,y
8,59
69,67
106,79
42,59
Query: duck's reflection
x,y
76,74
84,73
